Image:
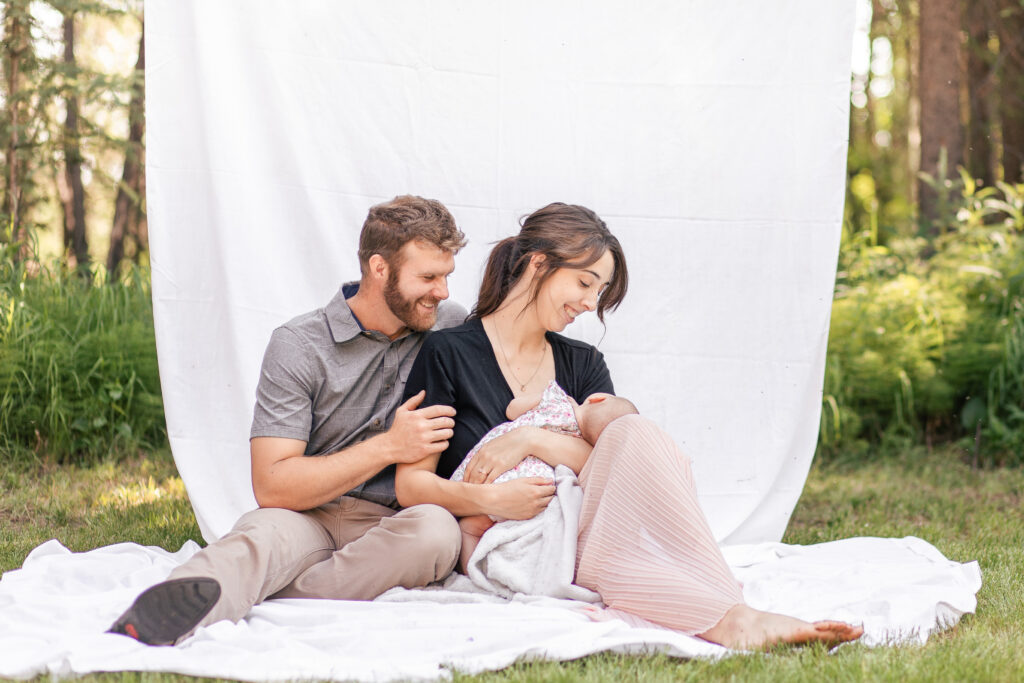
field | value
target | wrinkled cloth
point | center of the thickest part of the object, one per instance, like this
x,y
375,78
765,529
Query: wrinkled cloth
x,y
272,127
55,609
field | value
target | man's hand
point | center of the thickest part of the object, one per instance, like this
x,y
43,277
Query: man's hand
x,y
521,498
498,456
417,434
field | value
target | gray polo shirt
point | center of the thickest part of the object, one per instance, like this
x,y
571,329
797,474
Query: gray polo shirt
x,y
327,381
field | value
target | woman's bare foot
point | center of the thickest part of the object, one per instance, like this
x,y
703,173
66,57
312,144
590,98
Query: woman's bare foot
x,y
745,628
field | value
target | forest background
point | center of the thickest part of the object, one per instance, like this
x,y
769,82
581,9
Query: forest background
x,y
927,334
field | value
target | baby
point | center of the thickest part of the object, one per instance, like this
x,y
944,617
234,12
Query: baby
x,y
555,411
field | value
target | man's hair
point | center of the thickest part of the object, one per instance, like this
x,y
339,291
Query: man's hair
x,y
392,225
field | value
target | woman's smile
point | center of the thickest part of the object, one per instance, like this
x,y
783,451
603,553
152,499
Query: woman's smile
x,y
574,291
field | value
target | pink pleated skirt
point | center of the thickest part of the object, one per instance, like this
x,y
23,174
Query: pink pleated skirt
x,y
644,543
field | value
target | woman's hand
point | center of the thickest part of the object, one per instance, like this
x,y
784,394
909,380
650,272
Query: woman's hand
x,y
498,456
521,498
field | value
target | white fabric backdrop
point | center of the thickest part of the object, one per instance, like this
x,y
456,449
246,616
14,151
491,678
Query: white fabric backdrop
x,y
710,135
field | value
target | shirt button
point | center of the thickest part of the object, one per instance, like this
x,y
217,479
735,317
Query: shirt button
x,y
376,423
388,385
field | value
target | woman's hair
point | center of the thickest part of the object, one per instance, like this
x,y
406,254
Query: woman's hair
x,y
568,236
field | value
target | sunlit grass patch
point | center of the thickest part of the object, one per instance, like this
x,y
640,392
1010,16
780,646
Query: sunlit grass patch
x,y
137,493
141,500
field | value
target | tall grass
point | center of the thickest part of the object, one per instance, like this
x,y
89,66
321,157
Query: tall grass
x,y
78,370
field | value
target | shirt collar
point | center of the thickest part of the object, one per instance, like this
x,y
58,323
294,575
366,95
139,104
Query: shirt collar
x,y
340,319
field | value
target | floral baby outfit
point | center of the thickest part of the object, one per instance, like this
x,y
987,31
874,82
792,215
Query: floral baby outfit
x,y
554,413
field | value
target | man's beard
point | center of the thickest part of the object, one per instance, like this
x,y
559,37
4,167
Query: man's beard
x,y
407,310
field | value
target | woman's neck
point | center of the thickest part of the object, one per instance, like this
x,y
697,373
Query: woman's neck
x,y
518,328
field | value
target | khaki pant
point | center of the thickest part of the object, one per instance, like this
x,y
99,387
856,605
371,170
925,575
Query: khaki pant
x,y
347,550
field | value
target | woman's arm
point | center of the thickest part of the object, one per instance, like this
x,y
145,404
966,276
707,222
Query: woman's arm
x,y
502,453
416,483
559,449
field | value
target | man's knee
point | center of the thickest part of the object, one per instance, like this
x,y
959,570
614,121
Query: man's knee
x,y
276,523
272,537
436,535
266,517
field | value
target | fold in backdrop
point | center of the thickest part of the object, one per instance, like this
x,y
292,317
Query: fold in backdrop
x,y
711,136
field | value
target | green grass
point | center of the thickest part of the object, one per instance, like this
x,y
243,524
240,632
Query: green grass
x,y
141,500
967,514
78,368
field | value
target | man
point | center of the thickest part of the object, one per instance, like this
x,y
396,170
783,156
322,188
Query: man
x,y
329,526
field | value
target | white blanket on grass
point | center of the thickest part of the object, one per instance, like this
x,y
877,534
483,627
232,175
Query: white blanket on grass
x,y
55,609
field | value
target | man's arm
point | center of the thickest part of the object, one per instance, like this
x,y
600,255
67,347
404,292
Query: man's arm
x,y
417,483
283,476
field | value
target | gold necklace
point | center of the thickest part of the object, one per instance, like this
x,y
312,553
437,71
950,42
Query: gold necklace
x,y
543,355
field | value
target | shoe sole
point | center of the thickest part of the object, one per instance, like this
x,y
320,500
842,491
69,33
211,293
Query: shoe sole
x,y
167,611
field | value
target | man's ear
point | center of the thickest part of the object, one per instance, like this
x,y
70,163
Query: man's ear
x,y
378,267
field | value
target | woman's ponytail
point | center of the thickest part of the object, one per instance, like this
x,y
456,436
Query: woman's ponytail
x,y
502,271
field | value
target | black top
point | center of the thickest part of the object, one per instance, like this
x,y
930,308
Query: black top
x,y
457,367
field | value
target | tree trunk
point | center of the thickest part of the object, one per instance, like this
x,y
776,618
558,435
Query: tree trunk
x,y
1011,90
912,45
74,203
940,99
980,17
16,46
140,227
128,205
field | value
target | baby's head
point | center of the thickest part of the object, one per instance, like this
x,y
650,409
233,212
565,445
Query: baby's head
x,y
598,410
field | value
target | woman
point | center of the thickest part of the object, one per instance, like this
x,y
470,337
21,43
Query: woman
x,y
644,543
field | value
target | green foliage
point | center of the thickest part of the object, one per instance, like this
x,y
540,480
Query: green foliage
x,y
927,337
78,370
1004,412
